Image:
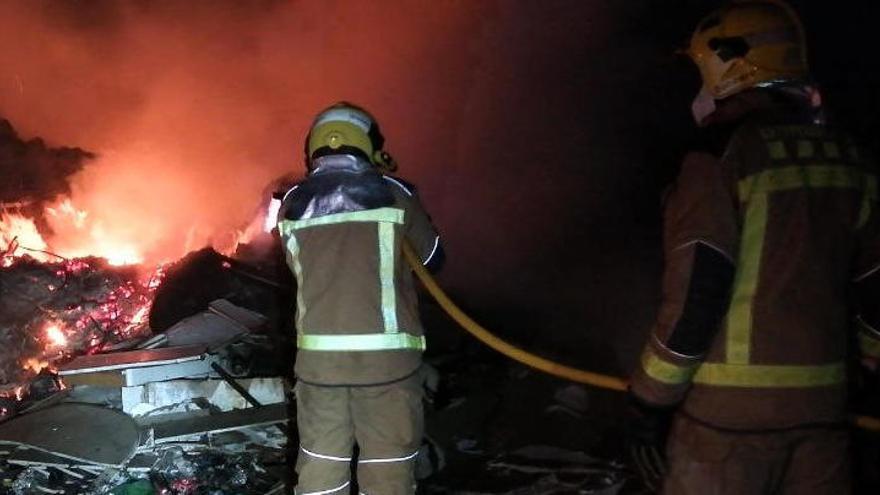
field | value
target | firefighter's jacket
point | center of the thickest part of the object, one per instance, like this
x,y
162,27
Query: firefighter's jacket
x,y
766,240
343,230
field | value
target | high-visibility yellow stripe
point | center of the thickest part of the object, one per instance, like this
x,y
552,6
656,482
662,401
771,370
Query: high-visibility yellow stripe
x,y
387,256
808,177
777,150
805,149
360,342
770,376
664,371
386,218
393,215
294,262
753,191
739,314
831,150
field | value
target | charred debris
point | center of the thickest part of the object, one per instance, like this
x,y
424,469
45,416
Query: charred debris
x,y
175,379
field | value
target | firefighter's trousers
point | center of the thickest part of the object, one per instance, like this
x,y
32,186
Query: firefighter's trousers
x,y
386,422
805,461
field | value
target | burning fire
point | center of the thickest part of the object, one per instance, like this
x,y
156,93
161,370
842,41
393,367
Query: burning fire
x,y
16,231
35,365
92,239
79,236
55,335
80,305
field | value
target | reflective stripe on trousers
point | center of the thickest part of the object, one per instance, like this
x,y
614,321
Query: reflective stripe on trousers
x,y
388,460
324,492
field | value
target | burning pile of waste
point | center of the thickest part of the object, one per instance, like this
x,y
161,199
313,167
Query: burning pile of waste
x,y
52,311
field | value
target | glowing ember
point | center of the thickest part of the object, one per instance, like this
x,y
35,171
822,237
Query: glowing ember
x,y
55,335
15,392
34,365
84,305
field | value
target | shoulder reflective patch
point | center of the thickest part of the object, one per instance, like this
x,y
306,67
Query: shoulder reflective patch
x,y
831,150
399,184
777,150
805,149
360,342
808,177
390,215
770,376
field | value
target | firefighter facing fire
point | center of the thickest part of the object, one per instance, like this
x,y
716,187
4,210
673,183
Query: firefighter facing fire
x,y
359,337
771,245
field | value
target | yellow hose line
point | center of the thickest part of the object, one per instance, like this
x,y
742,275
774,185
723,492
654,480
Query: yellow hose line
x,y
532,360
509,350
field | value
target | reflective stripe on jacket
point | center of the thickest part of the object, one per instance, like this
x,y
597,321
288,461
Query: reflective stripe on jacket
x,y
356,309
791,205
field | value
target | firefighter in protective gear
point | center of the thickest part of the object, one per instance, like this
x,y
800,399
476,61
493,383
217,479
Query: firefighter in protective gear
x,y
772,243
359,337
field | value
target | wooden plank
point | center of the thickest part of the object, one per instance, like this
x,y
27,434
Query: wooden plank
x,y
98,379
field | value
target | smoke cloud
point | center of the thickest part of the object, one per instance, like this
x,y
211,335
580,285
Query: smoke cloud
x,y
516,119
194,107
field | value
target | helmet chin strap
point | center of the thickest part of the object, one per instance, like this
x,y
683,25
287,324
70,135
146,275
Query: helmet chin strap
x,y
703,106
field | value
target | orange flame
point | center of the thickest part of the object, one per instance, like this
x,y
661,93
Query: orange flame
x,y
15,228
35,365
80,235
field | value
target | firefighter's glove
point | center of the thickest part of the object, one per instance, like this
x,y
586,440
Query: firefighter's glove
x,y
647,427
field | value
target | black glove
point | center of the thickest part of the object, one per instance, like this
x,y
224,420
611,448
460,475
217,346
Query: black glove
x,y
647,427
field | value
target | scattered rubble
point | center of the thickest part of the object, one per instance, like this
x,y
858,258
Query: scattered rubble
x,y
199,403
195,409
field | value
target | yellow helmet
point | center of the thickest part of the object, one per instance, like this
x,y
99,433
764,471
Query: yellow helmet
x,y
345,128
749,43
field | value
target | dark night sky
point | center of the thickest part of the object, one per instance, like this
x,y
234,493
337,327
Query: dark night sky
x,y
540,133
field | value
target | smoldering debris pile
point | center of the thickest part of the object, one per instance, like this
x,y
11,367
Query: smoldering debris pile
x,y
118,408
181,413
52,311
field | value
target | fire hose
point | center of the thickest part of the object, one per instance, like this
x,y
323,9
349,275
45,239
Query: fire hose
x,y
532,360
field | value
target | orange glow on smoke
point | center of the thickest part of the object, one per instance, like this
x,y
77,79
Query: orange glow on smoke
x,y
55,335
77,233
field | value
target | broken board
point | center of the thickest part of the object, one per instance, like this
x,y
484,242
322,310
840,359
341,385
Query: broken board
x,y
81,432
222,422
